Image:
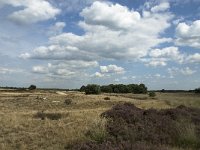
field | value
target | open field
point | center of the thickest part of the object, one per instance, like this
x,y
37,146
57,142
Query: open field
x,y
20,129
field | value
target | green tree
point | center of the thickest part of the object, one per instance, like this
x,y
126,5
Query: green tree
x,y
106,89
92,89
82,89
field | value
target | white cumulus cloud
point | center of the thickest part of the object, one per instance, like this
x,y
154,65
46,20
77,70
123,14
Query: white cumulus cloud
x,y
184,71
188,34
170,53
194,58
161,7
112,69
31,11
56,29
112,31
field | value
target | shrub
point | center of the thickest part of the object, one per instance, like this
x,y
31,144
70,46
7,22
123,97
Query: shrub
x,y
129,123
32,87
152,94
187,134
97,131
68,101
52,116
106,98
92,89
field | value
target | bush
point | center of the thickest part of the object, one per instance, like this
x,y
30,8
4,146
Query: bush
x,y
152,94
32,87
156,127
106,98
92,89
68,101
52,116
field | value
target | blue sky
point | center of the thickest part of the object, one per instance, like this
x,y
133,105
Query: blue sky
x,y
66,44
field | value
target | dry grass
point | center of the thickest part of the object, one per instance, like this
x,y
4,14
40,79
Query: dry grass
x,y
19,129
175,99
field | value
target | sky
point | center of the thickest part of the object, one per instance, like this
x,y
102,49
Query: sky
x,y
67,44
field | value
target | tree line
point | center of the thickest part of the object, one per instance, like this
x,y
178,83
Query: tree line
x,y
114,88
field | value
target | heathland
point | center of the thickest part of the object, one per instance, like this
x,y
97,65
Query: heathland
x,y
52,119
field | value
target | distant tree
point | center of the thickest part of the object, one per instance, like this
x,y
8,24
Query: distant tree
x,y
92,89
142,89
163,91
82,89
197,90
115,88
106,89
32,87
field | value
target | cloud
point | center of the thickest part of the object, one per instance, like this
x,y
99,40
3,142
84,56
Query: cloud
x,y
112,32
74,6
154,76
40,69
170,53
187,71
109,15
188,34
161,7
58,52
31,11
107,71
56,29
194,58
156,63
160,57
5,70
65,69
176,71
98,75
25,56
112,69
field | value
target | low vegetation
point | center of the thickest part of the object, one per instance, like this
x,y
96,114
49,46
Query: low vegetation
x,y
106,98
41,119
129,127
68,101
52,116
152,94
